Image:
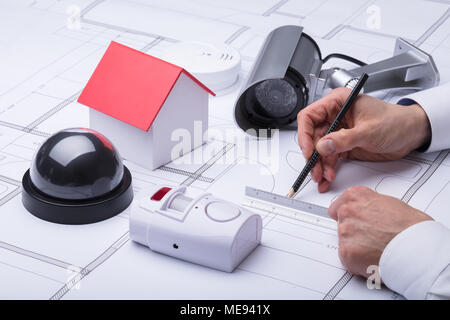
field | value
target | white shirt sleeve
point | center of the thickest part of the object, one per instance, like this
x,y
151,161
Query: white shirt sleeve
x,y
436,103
416,263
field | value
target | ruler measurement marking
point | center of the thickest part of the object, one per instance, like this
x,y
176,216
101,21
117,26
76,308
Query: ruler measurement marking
x,y
289,207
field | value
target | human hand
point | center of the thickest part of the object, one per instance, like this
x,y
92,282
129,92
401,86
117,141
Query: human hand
x,y
372,130
367,222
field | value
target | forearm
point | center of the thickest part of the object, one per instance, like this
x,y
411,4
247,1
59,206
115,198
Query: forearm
x,y
411,125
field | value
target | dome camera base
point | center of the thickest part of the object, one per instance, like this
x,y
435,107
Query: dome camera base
x,y
75,212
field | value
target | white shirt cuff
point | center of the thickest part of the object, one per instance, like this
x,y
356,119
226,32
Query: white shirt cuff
x,y
436,104
413,260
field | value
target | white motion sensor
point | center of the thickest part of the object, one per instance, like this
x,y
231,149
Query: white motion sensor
x,y
194,226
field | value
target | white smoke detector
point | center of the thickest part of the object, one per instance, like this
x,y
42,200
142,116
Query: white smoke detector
x,y
215,65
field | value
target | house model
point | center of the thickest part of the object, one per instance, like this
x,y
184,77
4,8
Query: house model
x,y
138,101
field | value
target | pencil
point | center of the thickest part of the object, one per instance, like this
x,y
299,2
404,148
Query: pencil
x,y
315,156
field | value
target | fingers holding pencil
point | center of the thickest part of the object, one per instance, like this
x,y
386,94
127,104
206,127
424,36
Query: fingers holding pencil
x,y
309,131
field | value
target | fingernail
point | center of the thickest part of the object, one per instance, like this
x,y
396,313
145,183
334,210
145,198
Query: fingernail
x,y
326,147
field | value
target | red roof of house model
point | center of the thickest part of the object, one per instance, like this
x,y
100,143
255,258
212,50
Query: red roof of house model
x,y
131,86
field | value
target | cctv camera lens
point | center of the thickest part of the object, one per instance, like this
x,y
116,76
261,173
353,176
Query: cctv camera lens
x,y
272,103
276,98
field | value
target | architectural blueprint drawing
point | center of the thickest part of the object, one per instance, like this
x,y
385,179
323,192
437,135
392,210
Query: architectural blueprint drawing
x,y
49,49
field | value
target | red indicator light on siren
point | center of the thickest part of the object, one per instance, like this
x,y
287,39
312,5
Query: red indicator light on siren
x,y
160,194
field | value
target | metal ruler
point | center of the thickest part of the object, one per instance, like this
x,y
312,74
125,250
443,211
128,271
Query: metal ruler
x,y
288,207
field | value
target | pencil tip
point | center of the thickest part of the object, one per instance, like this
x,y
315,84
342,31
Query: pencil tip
x,y
291,193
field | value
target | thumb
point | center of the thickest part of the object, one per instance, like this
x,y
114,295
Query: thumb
x,y
339,141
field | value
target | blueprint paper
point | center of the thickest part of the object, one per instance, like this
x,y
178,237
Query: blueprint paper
x,y
48,51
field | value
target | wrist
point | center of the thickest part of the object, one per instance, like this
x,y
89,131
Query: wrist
x,y
421,126
415,126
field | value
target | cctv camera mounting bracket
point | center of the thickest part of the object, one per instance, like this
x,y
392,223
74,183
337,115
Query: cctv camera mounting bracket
x,y
409,67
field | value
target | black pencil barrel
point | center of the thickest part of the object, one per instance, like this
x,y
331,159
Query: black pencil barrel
x,y
302,176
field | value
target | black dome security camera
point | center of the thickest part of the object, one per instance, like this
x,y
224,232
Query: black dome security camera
x,y
76,177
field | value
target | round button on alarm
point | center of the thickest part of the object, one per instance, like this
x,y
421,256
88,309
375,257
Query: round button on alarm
x,y
222,211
